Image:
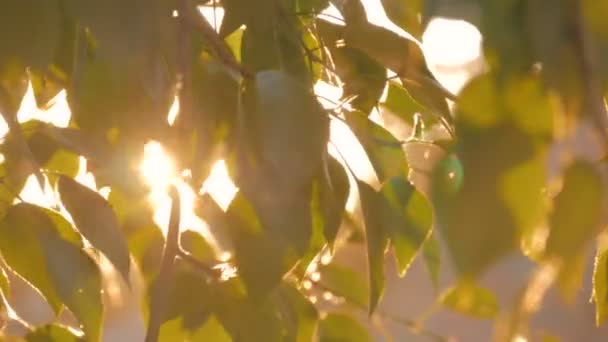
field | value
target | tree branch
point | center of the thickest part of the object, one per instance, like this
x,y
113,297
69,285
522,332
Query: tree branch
x,y
216,43
163,281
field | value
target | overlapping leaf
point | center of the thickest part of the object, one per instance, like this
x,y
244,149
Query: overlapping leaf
x,y
97,222
383,149
408,220
44,249
373,206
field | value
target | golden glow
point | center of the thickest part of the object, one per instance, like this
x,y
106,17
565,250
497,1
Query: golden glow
x,y
157,167
173,111
219,185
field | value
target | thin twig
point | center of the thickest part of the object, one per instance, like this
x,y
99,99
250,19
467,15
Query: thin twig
x,y
413,326
216,43
163,281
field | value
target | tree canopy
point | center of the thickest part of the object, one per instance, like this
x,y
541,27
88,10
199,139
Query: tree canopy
x,y
476,176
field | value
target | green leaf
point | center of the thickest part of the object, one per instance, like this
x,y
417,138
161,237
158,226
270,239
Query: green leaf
x,y
570,277
600,281
337,327
576,211
486,204
372,205
300,314
62,162
362,76
432,258
333,199
212,330
275,43
195,244
97,222
282,115
77,281
44,89
52,333
345,283
430,94
399,54
262,257
41,247
383,149
173,331
125,75
321,214
408,221
22,248
470,300
13,85
477,218
146,245
400,103
255,319
193,310
29,32
405,14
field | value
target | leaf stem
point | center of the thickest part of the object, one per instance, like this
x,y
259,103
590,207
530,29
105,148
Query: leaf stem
x,y
163,281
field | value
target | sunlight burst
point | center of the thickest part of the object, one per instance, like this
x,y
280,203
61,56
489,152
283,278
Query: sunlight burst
x,y
157,168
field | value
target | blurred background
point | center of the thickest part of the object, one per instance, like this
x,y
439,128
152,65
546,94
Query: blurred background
x,y
454,54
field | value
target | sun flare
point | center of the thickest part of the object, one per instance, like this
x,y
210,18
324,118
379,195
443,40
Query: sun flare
x,y
157,167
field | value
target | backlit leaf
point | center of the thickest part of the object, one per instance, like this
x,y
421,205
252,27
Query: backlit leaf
x,y
345,283
333,199
300,314
282,117
97,222
405,14
408,220
383,149
372,205
22,248
400,103
576,211
77,280
341,327
362,76
470,300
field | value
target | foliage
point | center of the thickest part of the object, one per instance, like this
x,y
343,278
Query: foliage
x,y
246,95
